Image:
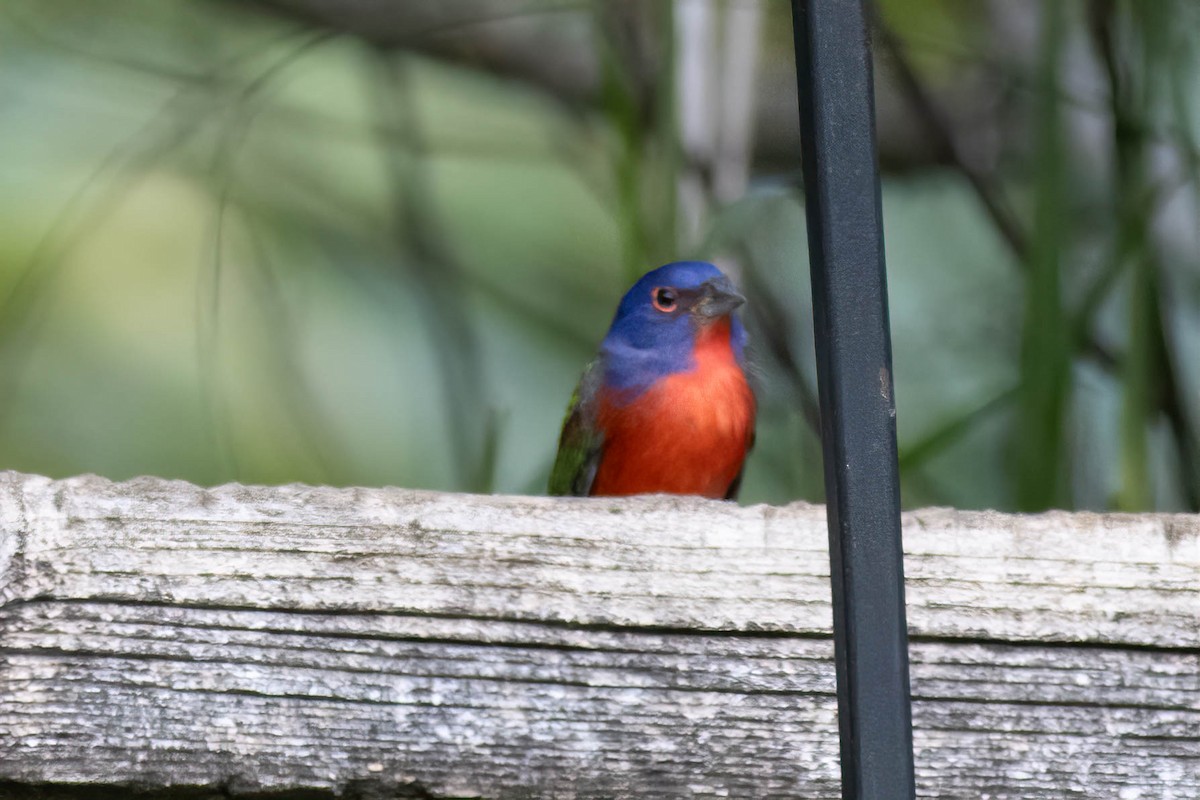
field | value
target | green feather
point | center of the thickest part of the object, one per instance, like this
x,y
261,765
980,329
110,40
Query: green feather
x,y
580,445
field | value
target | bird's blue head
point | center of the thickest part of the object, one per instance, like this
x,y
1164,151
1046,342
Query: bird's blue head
x,y
654,331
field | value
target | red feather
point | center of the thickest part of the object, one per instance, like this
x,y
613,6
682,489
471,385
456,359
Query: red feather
x,y
686,434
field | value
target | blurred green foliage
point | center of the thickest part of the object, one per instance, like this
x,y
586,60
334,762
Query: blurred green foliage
x,y
237,246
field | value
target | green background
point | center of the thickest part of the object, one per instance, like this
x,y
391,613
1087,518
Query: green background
x,y
234,247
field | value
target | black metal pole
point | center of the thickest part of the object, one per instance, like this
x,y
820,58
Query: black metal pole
x,y
858,416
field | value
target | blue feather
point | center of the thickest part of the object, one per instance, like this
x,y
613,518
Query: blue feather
x,y
644,344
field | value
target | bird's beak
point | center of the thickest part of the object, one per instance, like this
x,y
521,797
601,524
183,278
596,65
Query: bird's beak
x,y
718,297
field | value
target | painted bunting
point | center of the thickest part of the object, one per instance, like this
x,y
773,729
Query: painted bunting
x,y
665,406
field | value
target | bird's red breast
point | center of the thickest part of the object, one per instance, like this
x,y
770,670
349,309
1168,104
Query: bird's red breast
x,y
686,434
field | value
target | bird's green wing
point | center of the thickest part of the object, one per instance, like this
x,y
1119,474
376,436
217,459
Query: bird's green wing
x,y
580,444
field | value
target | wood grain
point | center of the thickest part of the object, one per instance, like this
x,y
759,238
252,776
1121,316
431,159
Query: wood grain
x,y
157,634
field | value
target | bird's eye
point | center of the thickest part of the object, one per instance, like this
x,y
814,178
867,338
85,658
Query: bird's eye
x,y
664,299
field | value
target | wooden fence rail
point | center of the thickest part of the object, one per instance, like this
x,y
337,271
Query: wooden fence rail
x,y
247,639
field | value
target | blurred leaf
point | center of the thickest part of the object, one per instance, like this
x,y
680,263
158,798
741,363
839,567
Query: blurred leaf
x,y
1041,469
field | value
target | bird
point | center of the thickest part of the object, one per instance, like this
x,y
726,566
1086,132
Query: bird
x,y
665,407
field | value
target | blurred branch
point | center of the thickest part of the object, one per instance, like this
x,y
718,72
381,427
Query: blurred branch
x,y
717,59
698,54
1137,199
739,77
309,424
1150,379
635,42
176,121
1176,134
914,456
240,113
31,27
1042,473
945,143
543,44
775,322
431,265
489,35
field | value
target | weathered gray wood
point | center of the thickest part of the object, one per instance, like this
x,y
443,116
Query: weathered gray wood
x,y
154,633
